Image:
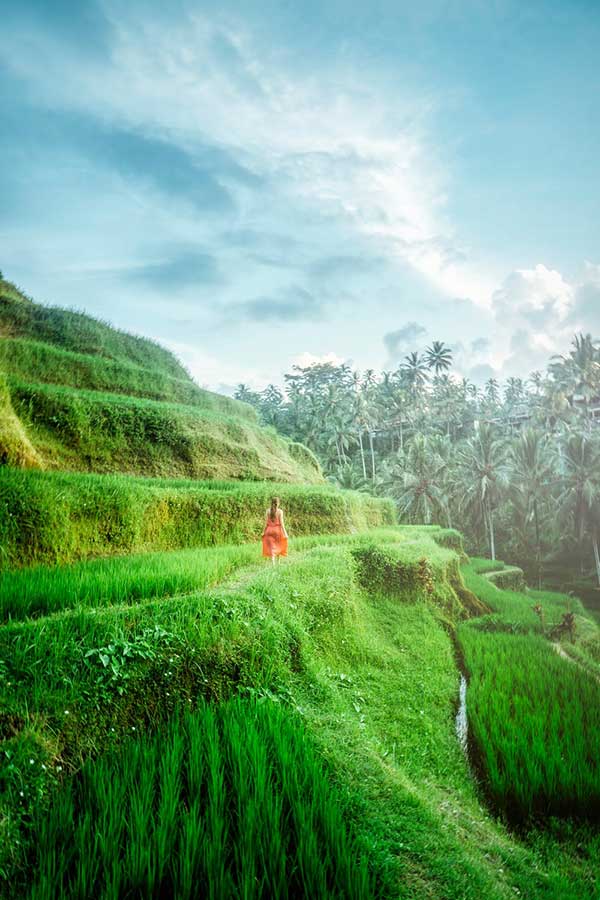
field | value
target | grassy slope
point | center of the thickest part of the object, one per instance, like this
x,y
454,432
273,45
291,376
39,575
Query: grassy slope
x,y
373,677
61,517
79,395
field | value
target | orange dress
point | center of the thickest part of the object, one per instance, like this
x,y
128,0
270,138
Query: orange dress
x,y
274,539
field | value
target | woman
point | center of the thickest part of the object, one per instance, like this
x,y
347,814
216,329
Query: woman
x,y
274,536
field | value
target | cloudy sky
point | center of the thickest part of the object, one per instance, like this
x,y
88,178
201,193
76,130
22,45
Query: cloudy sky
x,y
264,183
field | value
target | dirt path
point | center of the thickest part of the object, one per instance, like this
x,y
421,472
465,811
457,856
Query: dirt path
x,y
563,653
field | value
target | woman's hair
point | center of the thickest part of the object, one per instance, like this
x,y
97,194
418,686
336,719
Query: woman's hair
x,y
274,507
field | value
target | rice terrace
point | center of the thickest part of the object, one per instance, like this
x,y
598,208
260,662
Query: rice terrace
x,y
297,599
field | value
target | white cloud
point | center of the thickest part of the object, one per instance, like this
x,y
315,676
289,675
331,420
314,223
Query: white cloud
x,y
306,359
537,312
327,144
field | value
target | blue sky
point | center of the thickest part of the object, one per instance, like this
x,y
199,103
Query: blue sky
x,y
262,184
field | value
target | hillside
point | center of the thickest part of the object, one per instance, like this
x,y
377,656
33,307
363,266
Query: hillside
x,y
79,395
283,732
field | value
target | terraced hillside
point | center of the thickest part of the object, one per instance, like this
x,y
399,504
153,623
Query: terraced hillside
x,y
221,728
79,395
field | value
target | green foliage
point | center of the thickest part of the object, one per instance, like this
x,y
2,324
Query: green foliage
x,y
62,517
83,396
227,801
536,745
77,429
535,718
80,333
127,579
416,568
374,682
33,361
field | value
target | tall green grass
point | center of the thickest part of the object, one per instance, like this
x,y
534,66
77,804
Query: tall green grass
x,y
108,432
535,720
33,361
61,517
127,579
81,333
228,801
374,680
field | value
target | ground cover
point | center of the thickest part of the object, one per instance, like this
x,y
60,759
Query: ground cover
x,y
89,430
60,517
535,719
232,797
373,677
44,589
30,361
78,395
80,333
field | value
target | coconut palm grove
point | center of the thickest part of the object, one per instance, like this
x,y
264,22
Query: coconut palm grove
x,y
515,466
299,450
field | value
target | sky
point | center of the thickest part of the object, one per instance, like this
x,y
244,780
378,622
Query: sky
x,y
259,185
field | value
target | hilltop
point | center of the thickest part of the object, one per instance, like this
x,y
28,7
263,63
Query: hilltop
x,y
78,395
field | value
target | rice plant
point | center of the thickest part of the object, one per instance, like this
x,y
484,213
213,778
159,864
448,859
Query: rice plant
x,y
127,579
535,721
228,801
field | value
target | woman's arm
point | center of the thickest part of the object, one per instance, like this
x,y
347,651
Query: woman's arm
x,y
266,522
285,534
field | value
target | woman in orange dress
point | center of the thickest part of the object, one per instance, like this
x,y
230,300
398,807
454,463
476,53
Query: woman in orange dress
x,y
274,536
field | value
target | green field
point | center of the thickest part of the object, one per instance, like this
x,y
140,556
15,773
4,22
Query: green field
x,y
371,676
62,517
169,808
178,715
78,395
535,718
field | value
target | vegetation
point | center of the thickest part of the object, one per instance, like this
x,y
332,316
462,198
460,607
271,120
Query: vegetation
x,y
372,677
80,333
78,395
120,580
534,718
537,747
230,800
516,469
62,517
32,362
98,432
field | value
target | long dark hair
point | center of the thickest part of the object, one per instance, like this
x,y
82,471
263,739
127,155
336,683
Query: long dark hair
x,y
274,508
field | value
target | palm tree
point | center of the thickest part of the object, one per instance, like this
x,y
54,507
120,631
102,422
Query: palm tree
x,y
531,480
482,469
415,373
347,477
438,357
579,498
578,374
422,497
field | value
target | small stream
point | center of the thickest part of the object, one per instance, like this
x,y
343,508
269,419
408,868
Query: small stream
x,y
462,723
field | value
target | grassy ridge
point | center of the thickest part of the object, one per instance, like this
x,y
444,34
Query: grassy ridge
x,y
61,517
79,395
535,718
230,801
373,679
80,333
127,579
102,432
33,361
419,567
